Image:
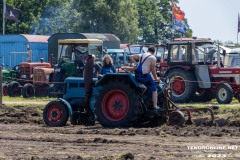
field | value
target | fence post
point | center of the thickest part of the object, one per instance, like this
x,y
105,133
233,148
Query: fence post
x,y
1,94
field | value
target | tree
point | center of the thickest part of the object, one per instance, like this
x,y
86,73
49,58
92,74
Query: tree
x,y
107,16
149,20
155,20
58,16
30,11
130,20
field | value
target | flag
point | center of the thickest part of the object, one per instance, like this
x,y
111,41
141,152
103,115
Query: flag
x,y
238,23
177,12
180,26
12,13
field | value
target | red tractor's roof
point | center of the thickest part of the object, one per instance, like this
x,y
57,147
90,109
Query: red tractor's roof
x,y
192,41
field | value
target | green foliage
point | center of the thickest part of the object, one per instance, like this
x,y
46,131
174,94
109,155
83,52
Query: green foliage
x,y
105,16
130,20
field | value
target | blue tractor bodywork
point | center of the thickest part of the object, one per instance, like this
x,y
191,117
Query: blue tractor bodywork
x,y
74,94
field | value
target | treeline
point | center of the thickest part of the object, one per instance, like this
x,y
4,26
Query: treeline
x,y
131,20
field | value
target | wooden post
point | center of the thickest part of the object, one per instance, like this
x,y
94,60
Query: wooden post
x,y
1,94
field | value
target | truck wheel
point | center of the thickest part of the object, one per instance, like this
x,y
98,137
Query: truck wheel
x,y
55,114
14,89
176,118
117,105
224,93
183,85
202,95
5,89
28,90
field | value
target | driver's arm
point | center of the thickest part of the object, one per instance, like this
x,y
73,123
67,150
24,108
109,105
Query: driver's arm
x,y
153,69
133,58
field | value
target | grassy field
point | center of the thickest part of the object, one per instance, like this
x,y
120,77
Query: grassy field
x,y
38,103
41,102
233,105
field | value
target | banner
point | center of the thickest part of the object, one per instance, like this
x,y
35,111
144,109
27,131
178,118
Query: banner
x,y
180,26
12,13
177,12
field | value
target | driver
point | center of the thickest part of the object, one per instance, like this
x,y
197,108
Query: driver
x,y
146,73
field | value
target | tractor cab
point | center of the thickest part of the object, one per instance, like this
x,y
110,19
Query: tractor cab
x,y
232,59
77,49
190,53
143,47
71,54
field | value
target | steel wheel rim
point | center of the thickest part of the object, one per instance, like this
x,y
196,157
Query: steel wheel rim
x,y
178,86
222,94
115,105
55,114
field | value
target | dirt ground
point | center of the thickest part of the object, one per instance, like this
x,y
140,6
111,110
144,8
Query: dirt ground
x,y
23,135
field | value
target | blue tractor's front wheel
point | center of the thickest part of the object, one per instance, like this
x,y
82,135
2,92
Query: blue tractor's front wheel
x,y
55,114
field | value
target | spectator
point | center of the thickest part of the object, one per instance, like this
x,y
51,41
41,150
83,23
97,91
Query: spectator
x,y
107,65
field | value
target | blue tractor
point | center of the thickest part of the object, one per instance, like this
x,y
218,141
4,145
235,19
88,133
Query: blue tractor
x,y
117,100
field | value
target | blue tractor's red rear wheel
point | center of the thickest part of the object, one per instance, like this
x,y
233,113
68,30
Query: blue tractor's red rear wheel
x,y
115,105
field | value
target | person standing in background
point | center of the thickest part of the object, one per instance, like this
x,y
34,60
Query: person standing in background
x,y
107,65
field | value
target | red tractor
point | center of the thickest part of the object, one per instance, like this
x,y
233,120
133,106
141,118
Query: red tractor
x,y
198,73
28,79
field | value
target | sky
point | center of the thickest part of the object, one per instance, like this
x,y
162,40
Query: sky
x,y
215,19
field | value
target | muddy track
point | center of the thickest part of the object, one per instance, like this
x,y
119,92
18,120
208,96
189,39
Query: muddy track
x,y
24,136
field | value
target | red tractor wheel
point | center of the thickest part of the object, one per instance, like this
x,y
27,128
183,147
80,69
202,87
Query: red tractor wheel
x,y
5,89
55,114
179,85
183,84
117,105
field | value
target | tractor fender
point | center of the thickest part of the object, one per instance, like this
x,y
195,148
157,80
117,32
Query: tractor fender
x,y
177,67
128,77
68,107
